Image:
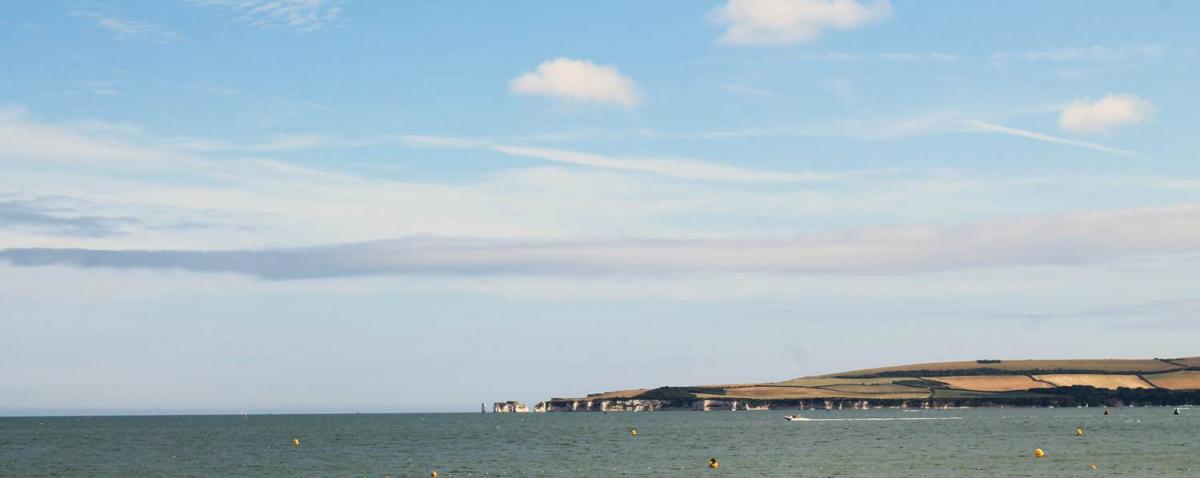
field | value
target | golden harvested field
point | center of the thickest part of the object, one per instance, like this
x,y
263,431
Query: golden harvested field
x,y
875,389
1147,365
770,392
1186,380
992,383
827,381
1111,382
1190,361
617,394
804,392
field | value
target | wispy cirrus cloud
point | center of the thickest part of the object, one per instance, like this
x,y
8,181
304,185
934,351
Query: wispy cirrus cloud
x,y
1091,54
785,22
92,87
671,167
276,143
985,126
244,200
863,128
1064,240
56,215
867,128
674,167
130,28
78,145
297,15
886,56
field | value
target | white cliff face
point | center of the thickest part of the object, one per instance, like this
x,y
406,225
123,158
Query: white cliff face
x,y
709,405
509,407
643,405
604,405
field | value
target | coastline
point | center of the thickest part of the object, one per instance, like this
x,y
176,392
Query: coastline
x,y
987,383
1171,399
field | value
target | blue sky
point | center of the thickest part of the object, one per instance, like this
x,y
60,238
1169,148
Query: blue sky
x,y
226,205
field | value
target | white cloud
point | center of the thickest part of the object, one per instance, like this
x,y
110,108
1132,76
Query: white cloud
x,y
23,139
1023,133
578,81
242,202
247,202
783,22
1106,114
56,215
128,28
299,15
1068,239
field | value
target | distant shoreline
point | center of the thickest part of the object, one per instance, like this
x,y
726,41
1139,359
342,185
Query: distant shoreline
x,y
966,384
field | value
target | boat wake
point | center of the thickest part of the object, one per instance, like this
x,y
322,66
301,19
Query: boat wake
x,y
877,419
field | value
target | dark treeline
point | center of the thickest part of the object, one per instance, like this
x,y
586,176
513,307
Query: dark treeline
x,y
1059,397
1082,395
680,395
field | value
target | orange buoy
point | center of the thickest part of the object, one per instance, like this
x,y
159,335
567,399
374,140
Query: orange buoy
x,y
433,474
1038,452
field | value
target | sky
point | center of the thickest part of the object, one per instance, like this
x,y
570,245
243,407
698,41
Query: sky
x,y
216,206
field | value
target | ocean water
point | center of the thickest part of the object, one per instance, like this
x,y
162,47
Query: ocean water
x,y
1141,442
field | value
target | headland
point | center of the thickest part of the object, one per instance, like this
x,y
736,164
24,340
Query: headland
x,y
979,383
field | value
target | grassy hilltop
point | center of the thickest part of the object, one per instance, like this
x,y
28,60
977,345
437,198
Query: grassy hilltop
x,y
1000,381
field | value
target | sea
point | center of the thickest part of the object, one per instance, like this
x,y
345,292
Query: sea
x,y
987,442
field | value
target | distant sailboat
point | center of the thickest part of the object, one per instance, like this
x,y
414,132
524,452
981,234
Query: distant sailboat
x,y
481,408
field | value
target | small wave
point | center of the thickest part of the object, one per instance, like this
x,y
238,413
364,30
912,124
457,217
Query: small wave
x,y
880,419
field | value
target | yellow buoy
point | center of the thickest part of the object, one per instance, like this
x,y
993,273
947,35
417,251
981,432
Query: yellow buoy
x,y
295,442
713,463
1039,453
1078,432
1092,466
633,432
433,474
